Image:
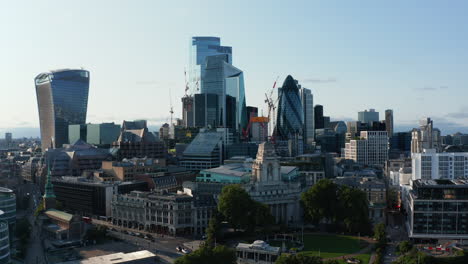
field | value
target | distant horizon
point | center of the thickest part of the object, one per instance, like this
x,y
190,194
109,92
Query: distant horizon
x,y
34,132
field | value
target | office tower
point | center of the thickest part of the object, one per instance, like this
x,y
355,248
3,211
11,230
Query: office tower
x,y
252,111
62,99
223,79
200,48
436,209
430,165
187,111
426,137
318,117
307,100
370,149
4,240
205,110
204,152
76,132
389,122
259,129
102,134
368,116
290,118
8,139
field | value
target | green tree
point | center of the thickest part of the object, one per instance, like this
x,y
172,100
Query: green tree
x,y
298,259
404,247
235,205
39,208
380,234
213,230
261,216
355,210
209,255
320,202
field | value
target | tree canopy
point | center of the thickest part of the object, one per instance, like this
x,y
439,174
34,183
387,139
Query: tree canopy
x,y
339,205
209,255
236,206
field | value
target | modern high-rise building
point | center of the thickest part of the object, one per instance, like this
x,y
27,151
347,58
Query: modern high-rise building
x,y
223,79
62,99
4,241
307,100
426,137
200,48
370,149
368,116
76,132
318,117
389,122
290,117
187,111
8,138
205,110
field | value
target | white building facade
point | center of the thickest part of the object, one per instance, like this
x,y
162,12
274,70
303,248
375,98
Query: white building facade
x,y
370,149
432,165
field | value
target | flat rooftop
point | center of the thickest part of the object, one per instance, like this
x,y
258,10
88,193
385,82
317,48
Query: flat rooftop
x,y
442,183
117,258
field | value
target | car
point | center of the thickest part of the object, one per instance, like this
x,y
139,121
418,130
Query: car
x,y
185,250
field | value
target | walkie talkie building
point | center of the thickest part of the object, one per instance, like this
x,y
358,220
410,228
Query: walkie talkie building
x,y
62,100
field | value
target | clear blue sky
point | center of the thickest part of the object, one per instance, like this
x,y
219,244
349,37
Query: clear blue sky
x,y
410,56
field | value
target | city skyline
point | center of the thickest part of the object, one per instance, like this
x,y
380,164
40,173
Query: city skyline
x,y
393,64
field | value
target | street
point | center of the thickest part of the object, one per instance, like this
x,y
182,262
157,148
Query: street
x,y
164,247
396,233
35,252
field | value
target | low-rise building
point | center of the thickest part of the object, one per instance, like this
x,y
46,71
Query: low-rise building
x,y
137,257
165,213
135,141
60,225
375,191
259,252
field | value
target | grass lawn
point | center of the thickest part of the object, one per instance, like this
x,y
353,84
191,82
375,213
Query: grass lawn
x,y
331,246
364,258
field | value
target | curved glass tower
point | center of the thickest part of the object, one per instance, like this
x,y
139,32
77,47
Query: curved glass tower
x,y
290,117
200,48
62,99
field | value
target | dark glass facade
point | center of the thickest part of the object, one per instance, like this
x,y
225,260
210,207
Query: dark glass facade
x,y
62,99
439,209
318,117
290,115
206,110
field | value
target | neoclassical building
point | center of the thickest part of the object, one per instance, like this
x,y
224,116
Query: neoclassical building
x,y
269,185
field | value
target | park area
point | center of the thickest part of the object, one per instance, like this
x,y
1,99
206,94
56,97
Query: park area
x,y
336,246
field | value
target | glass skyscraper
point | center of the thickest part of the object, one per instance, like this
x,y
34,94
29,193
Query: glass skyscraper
x,y
200,48
290,117
308,109
62,99
223,79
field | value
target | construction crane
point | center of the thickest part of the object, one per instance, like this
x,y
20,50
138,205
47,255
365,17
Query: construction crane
x,y
271,104
171,111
